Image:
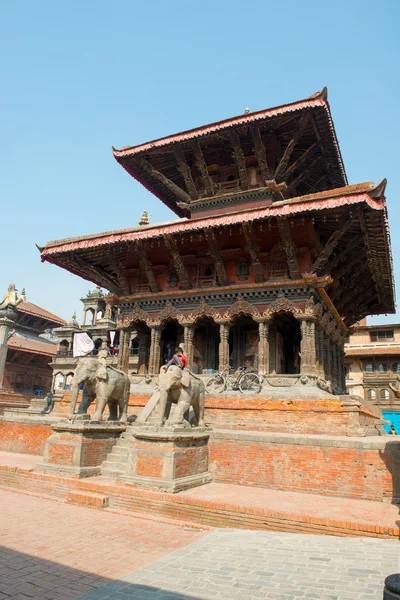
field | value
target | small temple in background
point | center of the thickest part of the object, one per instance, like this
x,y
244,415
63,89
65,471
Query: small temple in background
x,y
272,259
27,346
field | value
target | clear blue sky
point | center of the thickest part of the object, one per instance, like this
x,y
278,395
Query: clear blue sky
x,y
78,77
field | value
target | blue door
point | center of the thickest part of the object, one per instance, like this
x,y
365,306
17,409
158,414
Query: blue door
x,y
394,418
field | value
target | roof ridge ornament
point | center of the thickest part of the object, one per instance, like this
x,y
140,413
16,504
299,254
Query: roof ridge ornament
x,y
379,191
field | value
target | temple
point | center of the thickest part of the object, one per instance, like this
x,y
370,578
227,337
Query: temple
x,y
272,259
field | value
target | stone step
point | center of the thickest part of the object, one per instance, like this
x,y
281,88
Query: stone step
x,y
88,499
112,473
112,458
120,450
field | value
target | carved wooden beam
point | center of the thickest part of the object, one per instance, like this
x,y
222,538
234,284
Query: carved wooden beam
x,y
239,159
170,185
147,268
322,259
289,247
100,276
358,291
120,273
254,252
322,147
349,248
297,163
298,132
215,253
186,172
374,267
202,166
357,266
177,260
259,151
303,175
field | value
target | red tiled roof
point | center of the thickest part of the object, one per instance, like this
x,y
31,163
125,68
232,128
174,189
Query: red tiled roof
x,y
375,351
33,346
315,101
37,311
329,199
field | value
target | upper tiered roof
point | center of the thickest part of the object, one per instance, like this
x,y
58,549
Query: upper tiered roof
x,y
282,152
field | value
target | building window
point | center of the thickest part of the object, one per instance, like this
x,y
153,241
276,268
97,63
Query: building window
x,y
347,371
396,367
369,368
385,335
382,368
384,394
371,395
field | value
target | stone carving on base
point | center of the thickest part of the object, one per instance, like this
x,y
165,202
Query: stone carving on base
x,y
183,388
323,385
105,384
396,387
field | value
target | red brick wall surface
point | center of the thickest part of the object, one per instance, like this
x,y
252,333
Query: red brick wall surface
x,y
149,465
28,438
333,471
191,461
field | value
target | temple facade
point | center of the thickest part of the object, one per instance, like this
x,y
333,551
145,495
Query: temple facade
x,y
273,257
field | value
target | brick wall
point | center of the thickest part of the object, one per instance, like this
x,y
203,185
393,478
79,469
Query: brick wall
x,y
353,468
28,438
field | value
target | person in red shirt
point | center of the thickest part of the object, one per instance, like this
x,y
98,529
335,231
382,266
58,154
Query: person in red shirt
x,y
178,359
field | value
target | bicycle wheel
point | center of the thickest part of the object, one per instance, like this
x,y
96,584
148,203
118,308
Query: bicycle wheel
x,y
216,384
250,383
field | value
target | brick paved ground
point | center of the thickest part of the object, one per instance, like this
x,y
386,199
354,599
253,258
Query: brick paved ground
x,y
52,550
234,564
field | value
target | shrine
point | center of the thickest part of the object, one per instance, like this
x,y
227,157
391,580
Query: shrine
x,y
273,256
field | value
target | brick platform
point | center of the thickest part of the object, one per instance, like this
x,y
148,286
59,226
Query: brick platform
x,y
221,505
78,448
25,434
367,468
169,459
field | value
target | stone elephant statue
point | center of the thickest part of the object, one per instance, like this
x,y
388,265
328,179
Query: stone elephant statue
x,y
105,384
183,388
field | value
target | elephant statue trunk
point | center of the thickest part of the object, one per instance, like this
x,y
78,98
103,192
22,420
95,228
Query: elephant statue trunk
x,y
74,397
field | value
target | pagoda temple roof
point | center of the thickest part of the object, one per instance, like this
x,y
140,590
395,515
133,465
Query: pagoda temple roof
x,y
36,311
101,258
31,343
294,144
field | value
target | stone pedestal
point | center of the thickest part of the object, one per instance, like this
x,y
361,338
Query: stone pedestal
x,y
170,459
78,447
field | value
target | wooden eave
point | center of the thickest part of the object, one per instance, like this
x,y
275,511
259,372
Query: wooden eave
x,y
312,159
367,247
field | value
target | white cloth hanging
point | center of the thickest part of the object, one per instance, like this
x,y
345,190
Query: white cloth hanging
x,y
83,345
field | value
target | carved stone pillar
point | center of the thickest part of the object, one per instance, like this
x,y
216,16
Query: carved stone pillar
x,y
342,368
335,378
154,360
307,348
223,346
189,348
320,351
263,348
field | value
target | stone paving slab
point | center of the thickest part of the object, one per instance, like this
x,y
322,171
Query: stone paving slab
x,y
51,550
234,564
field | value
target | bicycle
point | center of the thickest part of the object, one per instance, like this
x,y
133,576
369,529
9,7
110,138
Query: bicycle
x,y
246,381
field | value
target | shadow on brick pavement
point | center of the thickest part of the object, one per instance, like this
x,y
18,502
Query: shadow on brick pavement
x,y
26,577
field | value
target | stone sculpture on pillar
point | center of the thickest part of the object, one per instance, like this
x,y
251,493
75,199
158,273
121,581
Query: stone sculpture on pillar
x,y
8,318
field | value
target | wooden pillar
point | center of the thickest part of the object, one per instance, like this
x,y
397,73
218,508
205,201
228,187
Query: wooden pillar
x,y
121,345
307,348
263,348
154,359
124,350
223,346
189,348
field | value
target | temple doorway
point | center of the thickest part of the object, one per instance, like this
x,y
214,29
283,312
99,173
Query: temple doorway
x,y
284,344
243,342
171,337
140,347
205,346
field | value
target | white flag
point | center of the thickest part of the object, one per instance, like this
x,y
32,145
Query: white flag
x,y
83,344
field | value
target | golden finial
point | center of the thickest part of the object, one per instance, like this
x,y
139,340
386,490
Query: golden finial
x,y
144,218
